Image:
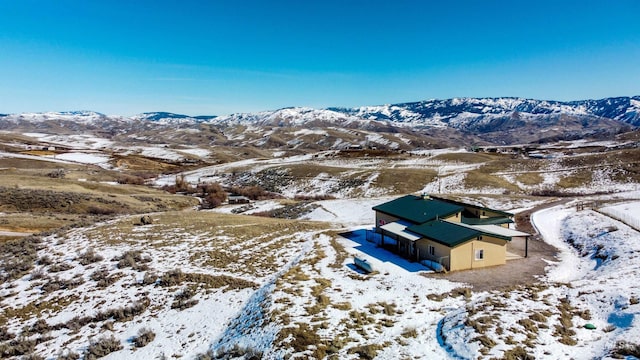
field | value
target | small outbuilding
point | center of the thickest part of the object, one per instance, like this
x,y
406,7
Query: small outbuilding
x,y
238,199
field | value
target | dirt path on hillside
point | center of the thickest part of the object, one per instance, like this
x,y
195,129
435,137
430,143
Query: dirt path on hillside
x,y
514,272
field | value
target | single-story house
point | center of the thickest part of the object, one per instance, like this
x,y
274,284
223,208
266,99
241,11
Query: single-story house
x,y
456,235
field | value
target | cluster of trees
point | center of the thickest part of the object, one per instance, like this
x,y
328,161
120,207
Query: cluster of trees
x,y
214,195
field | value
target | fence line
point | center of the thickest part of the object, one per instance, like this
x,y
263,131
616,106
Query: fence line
x,y
625,218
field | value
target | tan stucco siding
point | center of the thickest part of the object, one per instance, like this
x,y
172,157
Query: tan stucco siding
x,y
442,253
454,218
483,213
463,256
494,240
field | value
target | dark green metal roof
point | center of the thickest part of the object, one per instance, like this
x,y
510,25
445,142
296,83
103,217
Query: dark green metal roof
x,y
417,209
486,221
479,207
445,232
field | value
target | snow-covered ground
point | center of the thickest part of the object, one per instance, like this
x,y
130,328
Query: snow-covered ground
x,y
32,157
73,141
314,289
450,180
595,280
349,213
627,212
85,158
72,298
163,152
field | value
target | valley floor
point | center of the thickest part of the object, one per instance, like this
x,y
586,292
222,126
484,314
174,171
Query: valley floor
x,y
198,284
211,283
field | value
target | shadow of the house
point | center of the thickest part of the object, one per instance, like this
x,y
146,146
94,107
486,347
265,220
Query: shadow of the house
x,y
368,243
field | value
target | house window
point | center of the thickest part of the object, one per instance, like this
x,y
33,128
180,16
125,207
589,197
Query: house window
x,y
432,250
479,254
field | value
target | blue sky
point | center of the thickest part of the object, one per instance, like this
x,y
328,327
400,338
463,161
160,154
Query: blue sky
x,y
220,57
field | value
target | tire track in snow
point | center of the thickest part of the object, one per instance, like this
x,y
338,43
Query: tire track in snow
x,y
249,333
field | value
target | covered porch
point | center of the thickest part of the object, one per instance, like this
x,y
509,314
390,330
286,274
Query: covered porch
x,y
396,238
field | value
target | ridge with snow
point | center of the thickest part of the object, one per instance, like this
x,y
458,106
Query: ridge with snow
x,y
455,112
505,120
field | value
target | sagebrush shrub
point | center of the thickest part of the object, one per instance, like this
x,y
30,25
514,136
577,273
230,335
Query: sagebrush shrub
x,y
103,347
89,257
144,337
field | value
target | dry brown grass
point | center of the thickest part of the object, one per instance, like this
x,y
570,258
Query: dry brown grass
x,y
412,179
528,325
359,320
469,158
102,347
36,308
176,278
33,202
564,330
341,254
388,309
626,349
344,306
33,223
459,291
410,332
485,340
296,274
576,178
137,163
538,317
312,170
369,351
517,353
480,324
476,179
237,244
238,228
529,178
301,336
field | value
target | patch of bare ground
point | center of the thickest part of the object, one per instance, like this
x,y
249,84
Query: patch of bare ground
x,y
515,272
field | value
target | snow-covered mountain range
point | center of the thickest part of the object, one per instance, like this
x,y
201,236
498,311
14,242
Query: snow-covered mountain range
x,y
456,112
461,112
496,120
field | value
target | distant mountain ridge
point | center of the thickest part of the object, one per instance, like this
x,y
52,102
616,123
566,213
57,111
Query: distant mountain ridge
x,y
454,112
457,112
171,117
624,109
502,120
